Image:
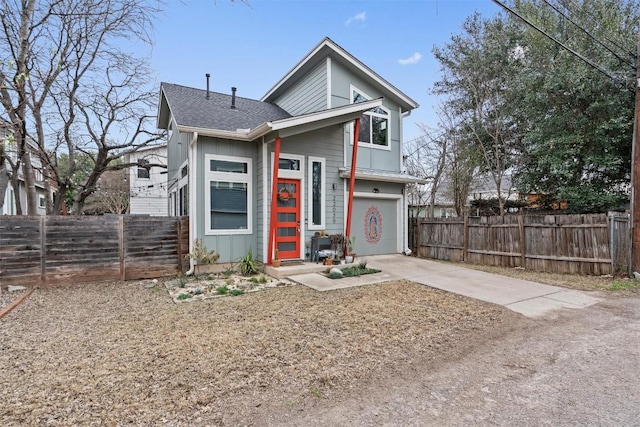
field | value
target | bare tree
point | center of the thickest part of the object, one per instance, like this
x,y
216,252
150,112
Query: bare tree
x,y
427,158
68,83
111,195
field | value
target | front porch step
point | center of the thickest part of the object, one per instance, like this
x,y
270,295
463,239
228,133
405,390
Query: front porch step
x,y
291,270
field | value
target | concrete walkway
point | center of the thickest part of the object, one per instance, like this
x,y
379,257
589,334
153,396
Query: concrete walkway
x,y
531,299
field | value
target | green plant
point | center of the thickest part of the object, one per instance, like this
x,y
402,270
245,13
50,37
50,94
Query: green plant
x,y
229,282
351,242
315,392
202,255
263,279
236,292
222,290
254,280
362,265
334,275
621,285
197,291
249,265
183,297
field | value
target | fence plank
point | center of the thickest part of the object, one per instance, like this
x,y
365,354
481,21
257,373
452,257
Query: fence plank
x,y
53,250
585,244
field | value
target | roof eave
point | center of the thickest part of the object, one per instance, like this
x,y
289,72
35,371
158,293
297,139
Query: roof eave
x,y
372,176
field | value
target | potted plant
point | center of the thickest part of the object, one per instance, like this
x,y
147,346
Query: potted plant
x,y
276,261
203,258
350,256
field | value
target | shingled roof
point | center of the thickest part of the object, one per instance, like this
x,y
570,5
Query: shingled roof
x,y
190,107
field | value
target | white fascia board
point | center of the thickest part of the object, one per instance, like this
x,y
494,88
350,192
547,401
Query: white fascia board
x,y
382,177
326,114
216,133
346,56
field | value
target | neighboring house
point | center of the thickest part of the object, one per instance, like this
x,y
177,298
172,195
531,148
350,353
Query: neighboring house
x,y
222,150
148,184
10,196
482,188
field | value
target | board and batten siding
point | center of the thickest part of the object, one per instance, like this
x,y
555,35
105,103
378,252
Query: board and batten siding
x,y
308,95
177,148
368,158
230,247
325,143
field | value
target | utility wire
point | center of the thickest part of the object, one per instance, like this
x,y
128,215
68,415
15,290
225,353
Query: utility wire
x,y
626,61
558,42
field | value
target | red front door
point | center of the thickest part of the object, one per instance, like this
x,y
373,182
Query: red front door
x,y
288,219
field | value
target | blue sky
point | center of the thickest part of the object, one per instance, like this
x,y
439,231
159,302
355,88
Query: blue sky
x,y
253,46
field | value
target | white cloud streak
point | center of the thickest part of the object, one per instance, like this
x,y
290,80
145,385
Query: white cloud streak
x,y
413,59
361,17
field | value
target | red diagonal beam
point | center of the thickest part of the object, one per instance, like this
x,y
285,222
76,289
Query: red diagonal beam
x,y
352,179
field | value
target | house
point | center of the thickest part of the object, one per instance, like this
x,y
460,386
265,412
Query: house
x,y
222,149
147,182
9,194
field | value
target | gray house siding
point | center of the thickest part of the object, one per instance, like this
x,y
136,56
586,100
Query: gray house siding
x,y
308,95
230,247
326,143
260,200
369,158
177,148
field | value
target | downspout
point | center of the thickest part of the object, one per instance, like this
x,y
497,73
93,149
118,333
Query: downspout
x,y
405,205
190,184
352,178
274,200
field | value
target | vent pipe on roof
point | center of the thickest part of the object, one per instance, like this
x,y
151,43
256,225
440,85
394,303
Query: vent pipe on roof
x,y
233,98
208,75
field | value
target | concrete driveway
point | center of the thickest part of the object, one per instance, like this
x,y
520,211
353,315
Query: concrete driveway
x,y
531,299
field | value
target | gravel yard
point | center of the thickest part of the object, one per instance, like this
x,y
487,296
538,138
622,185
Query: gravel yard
x,y
123,353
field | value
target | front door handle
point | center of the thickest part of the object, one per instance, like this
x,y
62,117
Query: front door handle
x,y
298,226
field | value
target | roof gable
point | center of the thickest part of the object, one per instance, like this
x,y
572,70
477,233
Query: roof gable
x,y
191,108
328,47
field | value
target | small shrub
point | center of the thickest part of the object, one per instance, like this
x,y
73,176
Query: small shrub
x,y
236,292
222,290
183,297
229,282
334,275
362,265
202,255
249,265
229,271
197,291
263,279
254,280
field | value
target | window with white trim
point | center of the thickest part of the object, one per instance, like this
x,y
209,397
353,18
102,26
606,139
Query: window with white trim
x,y
42,201
374,124
228,195
317,192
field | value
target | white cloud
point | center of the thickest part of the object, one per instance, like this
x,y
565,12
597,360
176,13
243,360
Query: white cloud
x,y
413,59
362,16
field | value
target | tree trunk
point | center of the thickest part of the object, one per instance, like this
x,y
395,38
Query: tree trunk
x,y
30,185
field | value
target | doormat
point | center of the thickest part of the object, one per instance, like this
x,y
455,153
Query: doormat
x,y
290,263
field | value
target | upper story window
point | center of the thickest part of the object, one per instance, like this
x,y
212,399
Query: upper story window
x,y
374,124
143,168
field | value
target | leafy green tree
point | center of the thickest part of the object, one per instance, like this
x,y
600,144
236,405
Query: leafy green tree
x,y
579,120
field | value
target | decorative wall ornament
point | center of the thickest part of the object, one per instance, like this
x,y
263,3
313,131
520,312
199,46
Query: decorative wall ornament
x,y
284,194
373,225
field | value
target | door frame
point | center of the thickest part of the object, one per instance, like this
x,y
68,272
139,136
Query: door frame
x,y
287,174
298,211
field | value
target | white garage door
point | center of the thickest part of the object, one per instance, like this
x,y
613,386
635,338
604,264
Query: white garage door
x,y
375,223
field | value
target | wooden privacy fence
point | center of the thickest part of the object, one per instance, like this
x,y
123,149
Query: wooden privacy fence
x,y
53,250
593,244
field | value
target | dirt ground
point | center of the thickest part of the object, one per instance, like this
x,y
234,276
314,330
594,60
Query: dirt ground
x,y
389,354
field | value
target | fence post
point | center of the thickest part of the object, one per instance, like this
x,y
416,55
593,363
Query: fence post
x,y
179,232
417,235
523,243
465,237
121,247
43,250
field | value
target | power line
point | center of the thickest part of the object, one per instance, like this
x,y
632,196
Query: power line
x,y
558,42
592,37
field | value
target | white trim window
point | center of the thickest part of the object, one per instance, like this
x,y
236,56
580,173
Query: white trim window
x,y
374,124
228,195
317,179
41,202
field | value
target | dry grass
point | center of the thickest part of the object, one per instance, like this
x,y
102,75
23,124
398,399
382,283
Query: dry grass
x,y
119,353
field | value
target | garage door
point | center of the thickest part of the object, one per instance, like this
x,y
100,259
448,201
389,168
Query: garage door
x,y
375,225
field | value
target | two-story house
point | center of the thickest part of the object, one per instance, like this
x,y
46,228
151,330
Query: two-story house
x,y
269,174
147,181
